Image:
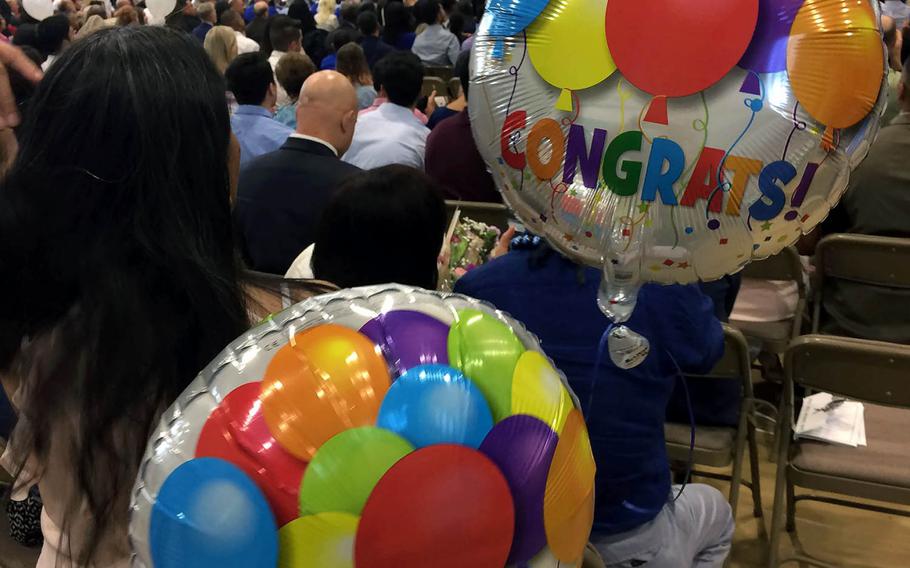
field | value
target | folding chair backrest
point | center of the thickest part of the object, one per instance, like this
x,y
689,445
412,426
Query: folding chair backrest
x,y
431,84
735,363
784,265
880,261
869,371
454,87
493,214
864,259
444,72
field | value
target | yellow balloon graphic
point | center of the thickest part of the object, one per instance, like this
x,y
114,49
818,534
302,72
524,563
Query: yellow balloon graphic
x,y
568,46
538,391
325,540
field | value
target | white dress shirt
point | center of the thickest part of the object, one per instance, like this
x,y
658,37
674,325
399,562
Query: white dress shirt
x,y
390,134
283,98
436,46
246,45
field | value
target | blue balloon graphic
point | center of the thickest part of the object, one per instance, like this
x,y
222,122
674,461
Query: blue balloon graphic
x,y
436,404
511,17
209,513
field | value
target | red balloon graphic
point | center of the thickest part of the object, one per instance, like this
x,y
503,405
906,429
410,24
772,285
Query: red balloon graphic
x,y
444,506
236,431
676,48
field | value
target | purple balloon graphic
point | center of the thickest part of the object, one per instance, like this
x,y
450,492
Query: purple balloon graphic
x,y
408,339
768,51
523,446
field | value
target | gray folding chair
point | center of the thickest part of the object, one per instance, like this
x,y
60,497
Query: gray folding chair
x,y
776,336
433,83
493,214
861,259
873,372
444,72
723,446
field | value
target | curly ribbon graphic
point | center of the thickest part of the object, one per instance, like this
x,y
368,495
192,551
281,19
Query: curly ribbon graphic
x,y
755,105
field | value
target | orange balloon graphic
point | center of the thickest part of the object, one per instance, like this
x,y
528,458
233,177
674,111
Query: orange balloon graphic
x,y
326,380
568,505
835,60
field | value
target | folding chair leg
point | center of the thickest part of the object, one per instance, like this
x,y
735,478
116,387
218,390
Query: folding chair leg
x,y
756,473
778,513
739,448
791,507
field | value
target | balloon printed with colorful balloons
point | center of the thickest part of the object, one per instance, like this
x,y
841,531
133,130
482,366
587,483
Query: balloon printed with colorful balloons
x,y
375,427
673,141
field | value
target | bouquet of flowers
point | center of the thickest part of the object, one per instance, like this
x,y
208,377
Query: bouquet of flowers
x,y
470,245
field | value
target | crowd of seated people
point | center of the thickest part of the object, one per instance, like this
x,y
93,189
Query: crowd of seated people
x,y
264,170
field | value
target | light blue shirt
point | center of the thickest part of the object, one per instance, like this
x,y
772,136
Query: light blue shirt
x,y
365,96
436,46
257,132
391,134
287,115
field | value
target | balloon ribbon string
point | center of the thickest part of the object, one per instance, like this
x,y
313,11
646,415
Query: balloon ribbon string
x,y
690,464
601,347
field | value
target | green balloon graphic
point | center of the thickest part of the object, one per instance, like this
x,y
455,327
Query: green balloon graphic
x,y
347,467
486,351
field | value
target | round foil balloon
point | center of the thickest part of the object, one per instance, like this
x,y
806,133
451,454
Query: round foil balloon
x,y
673,141
377,427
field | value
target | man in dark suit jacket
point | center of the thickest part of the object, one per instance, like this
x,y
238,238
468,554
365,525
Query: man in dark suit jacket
x,y
373,48
282,194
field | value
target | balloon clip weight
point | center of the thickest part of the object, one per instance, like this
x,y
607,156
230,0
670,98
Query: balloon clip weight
x,y
627,348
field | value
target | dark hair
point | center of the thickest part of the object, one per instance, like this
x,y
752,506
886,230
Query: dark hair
x,y
292,70
342,37
230,18
248,77
402,210
401,74
221,6
300,11
51,33
352,63
137,286
367,23
349,11
95,11
463,70
27,34
427,11
283,31
396,21
456,25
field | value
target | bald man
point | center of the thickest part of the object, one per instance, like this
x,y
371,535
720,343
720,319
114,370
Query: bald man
x,y
282,194
256,29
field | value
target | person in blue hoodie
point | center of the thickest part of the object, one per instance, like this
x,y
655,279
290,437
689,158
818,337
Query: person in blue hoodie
x,y
640,518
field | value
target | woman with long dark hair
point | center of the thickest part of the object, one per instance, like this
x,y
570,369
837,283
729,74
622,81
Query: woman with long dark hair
x,y
352,63
120,278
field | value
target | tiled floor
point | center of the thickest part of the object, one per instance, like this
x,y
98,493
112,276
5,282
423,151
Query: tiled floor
x,y
840,536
